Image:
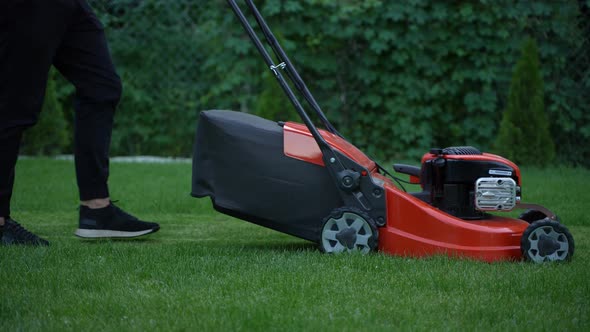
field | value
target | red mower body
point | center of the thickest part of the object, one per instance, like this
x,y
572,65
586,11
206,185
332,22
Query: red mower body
x,y
416,229
413,227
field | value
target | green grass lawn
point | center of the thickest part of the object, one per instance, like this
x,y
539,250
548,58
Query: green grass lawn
x,y
206,271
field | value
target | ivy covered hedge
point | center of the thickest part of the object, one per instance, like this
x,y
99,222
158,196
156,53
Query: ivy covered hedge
x,y
396,77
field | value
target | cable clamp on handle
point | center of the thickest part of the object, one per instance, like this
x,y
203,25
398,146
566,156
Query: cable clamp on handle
x,y
274,68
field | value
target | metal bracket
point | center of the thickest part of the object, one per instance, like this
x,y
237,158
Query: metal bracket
x,y
537,207
274,68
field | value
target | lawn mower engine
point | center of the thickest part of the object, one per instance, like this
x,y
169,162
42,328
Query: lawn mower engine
x,y
466,183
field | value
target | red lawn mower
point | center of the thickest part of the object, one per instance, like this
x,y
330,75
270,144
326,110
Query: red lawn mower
x,y
313,184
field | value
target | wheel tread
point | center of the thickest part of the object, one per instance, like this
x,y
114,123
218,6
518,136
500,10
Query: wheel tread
x,y
547,226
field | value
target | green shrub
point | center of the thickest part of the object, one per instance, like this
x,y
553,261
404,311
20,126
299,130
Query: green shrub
x,y
272,102
50,135
524,135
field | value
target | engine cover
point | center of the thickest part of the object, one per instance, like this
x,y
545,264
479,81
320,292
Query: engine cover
x,y
495,194
448,178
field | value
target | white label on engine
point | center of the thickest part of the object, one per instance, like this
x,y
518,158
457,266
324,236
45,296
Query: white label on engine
x,y
498,172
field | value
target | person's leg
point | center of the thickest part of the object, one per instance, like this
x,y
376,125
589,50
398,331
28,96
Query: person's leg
x,y
83,58
30,32
9,143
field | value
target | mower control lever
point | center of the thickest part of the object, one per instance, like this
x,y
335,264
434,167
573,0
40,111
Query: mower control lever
x,y
407,169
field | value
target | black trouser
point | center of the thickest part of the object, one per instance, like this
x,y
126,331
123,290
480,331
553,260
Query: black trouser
x,y
35,34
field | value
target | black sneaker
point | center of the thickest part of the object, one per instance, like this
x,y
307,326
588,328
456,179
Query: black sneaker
x,y
13,233
111,222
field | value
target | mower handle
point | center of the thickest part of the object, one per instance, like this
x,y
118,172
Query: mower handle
x,y
274,67
340,167
291,71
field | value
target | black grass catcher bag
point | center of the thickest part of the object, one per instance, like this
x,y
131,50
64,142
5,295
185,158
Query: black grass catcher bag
x,y
239,162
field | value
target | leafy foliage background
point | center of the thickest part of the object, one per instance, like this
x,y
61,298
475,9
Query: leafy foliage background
x,y
395,77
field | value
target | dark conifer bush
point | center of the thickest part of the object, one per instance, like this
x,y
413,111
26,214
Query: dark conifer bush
x,y
272,103
524,135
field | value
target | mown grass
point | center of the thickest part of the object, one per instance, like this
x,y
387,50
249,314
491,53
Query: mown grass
x,y
207,271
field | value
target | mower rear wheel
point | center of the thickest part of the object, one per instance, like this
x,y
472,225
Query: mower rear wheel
x,y
547,241
348,229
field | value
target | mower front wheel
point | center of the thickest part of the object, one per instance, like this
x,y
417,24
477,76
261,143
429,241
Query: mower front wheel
x,y
547,241
348,229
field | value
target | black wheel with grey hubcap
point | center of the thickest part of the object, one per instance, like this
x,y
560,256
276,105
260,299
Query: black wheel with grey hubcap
x,y
348,229
547,241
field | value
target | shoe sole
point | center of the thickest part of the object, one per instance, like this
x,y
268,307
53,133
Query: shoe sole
x,y
104,233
